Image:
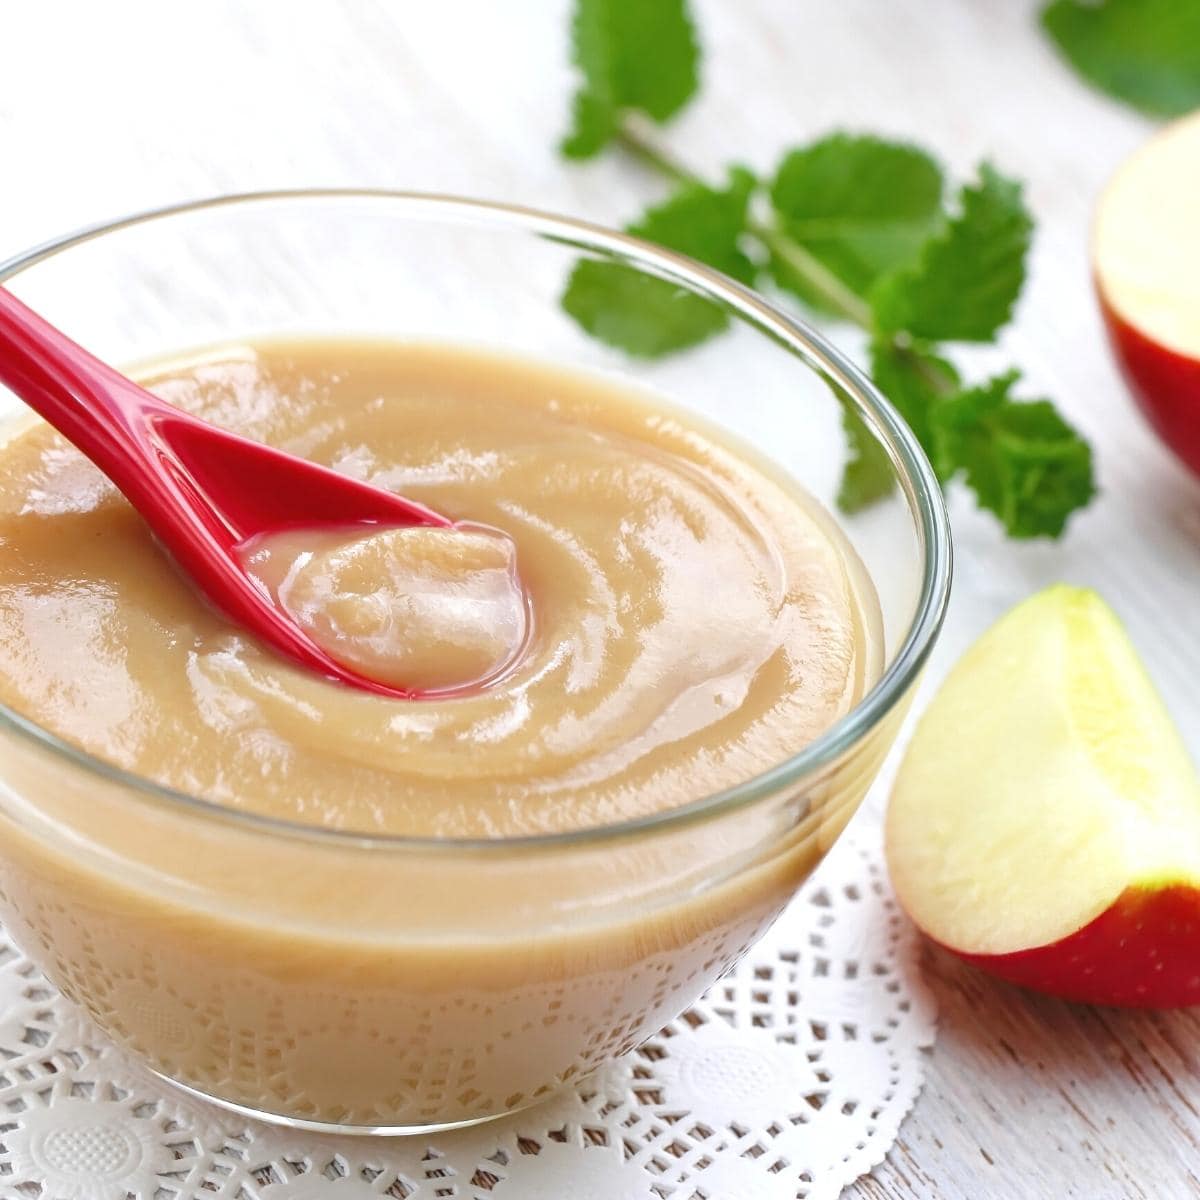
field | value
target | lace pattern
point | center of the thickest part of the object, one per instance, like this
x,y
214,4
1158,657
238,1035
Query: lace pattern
x,y
787,1080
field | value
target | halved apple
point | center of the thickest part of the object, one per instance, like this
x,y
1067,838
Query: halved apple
x,y
1146,259
1045,822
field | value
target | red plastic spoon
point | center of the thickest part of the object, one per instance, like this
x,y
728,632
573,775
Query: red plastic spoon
x,y
204,492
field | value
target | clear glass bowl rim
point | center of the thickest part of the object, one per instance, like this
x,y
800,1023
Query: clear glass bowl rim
x,y
916,479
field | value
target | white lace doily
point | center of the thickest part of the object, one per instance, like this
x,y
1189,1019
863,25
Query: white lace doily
x,y
788,1079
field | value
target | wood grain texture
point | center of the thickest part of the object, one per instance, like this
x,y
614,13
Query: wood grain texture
x,y
106,108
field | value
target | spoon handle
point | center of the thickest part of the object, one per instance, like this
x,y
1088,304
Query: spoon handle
x,y
87,401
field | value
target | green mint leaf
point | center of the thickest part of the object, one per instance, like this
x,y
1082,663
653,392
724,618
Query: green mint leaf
x,y
967,276
646,316
1022,459
705,223
859,205
868,475
639,314
915,380
1145,52
633,55
594,122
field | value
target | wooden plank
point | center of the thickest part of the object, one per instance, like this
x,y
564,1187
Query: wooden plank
x,y
1028,1097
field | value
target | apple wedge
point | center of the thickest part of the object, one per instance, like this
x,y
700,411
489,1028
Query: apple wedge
x,y
1045,822
1146,262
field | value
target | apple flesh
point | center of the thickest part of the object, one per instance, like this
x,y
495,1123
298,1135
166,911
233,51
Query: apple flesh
x,y
1146,263
1045,822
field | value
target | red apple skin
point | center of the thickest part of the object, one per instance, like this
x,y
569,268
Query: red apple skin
x,y
1165,384
1142,952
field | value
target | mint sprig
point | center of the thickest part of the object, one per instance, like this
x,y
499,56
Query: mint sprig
x,y
858,229
1144,52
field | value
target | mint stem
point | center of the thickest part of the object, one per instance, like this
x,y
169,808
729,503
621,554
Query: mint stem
x,y
940,382
846,303
634,137
636,141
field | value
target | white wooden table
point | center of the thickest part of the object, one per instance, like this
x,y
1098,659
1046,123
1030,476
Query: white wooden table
x,y
114,106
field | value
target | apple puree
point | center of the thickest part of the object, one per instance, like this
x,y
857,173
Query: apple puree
x,y
421,608
655,616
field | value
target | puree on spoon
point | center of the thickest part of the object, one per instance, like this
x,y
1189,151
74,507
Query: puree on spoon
x,y
419,607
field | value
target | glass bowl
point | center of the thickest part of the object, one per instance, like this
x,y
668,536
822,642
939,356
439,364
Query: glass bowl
x,y
358,983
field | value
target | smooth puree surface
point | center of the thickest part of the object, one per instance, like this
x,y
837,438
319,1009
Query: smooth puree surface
x,y
689,620
692,620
